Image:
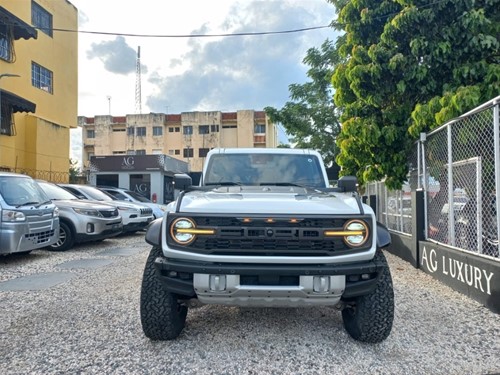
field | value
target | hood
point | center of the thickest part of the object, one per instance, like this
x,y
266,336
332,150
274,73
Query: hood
x,y
78,203
270,199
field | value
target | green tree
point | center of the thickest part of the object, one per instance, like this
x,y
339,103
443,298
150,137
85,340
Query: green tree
x,y
411,65
74,171
311,118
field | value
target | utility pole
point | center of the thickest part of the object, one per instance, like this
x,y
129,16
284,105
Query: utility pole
x,y
109,104
138,95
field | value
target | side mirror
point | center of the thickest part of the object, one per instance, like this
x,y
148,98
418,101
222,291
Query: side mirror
x,y
182,181
347,183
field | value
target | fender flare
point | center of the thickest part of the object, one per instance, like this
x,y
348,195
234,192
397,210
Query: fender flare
x,y
383,236
153,234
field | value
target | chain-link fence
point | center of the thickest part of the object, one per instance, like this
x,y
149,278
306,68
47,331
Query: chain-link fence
x,y
51,176
458,167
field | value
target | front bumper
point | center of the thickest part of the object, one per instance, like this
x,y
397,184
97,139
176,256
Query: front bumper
x,y
268,284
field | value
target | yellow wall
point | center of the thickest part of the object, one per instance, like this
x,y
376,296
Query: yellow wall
x,y
43,138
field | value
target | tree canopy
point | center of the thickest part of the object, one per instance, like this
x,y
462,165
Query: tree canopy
x,y
408,66
311,117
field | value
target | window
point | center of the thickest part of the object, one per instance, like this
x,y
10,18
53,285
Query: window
x,y
202,152
141,131
90,154
157,151
90,133
130,131
260,129
140,152
170,152
187,153
41,77
118,130
7,126
171,129
214,128
229,126
177,129
6,45
187,130
118,152
41,19
157,130
177,152
203,129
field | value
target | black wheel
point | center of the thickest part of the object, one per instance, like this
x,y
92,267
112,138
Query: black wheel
x,y
66,238
369,318
162,316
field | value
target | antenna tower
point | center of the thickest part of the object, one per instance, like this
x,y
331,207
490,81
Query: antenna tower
x,y
138,96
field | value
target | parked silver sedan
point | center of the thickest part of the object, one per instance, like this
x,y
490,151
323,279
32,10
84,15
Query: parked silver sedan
x,y
81,220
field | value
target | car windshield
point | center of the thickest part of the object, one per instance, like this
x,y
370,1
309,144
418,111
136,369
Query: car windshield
x,y
95,193
55,192
21,191
264,169
137,196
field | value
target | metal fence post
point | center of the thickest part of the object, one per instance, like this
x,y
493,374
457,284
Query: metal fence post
x,y
496,136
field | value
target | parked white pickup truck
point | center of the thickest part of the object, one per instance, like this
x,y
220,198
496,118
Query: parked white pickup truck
x,y
264,229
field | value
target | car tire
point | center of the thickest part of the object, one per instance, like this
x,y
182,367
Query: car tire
x,y
162,316
66,238
369,318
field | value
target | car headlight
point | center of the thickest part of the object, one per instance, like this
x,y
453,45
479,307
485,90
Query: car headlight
x,y
56,212
355,233
184,231
123,208
13,216
87,212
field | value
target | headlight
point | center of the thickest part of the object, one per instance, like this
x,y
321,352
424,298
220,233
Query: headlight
x,y
184,231
123,208
13,216
355,233
359,234
87,212
56,212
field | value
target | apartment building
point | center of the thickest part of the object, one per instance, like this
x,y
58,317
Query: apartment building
x,y
38,85
187,136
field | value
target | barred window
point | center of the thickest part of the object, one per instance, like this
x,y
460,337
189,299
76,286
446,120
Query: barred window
x,y
157,130
202,152
41,19
187,130
90,133
6,46
41,78
214,128
140,152
260,129
203,129
141,131
130,131
187,153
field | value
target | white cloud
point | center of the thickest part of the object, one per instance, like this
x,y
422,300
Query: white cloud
x,y
184,74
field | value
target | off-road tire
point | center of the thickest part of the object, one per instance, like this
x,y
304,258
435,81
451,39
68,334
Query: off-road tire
x,y
162,316
66,238
371,316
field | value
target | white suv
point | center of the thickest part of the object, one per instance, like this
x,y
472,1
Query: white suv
x,y
134,216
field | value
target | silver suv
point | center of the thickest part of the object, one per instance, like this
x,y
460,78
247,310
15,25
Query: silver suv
x,y
80,220
134,216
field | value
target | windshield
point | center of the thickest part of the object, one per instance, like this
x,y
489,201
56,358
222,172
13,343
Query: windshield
x,y
55,192
96,194
21,191
264,169
138,197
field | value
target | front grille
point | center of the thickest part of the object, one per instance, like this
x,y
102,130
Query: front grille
x,y
41,237
146,211
109,213
283,236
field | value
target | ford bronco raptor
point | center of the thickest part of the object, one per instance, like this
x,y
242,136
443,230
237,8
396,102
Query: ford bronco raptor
x,y
264,229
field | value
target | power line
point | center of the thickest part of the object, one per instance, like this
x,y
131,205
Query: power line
x,y
191,35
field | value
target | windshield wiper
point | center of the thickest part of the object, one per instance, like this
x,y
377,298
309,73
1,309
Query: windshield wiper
x,y
281,184
27,204
46,202
224,183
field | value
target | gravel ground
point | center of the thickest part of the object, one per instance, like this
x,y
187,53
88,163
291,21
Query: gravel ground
x,y
90,325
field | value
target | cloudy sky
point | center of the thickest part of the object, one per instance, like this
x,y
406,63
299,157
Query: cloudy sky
x,y
184,73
